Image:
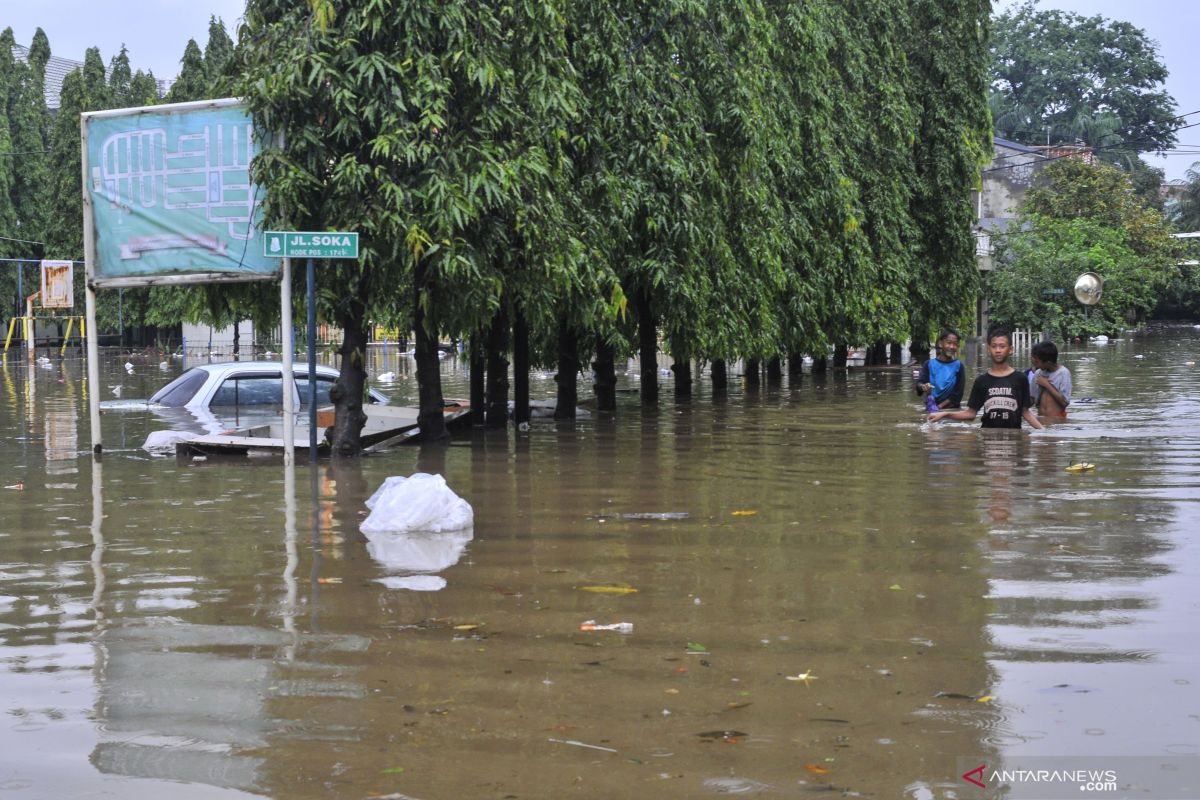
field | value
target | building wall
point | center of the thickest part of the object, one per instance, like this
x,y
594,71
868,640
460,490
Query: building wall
x,y
206,339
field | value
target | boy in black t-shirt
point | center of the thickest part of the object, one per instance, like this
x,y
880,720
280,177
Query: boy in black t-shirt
x,y
1001,393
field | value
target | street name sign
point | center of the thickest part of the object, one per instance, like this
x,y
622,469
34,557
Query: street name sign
x,y
310,244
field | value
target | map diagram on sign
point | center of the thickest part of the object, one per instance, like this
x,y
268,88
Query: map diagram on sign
x,y
207,172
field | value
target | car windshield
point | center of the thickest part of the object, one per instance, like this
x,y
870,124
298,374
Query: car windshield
x,y
178,392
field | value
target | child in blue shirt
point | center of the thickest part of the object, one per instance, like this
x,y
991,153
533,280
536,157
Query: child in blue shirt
x,y
943,377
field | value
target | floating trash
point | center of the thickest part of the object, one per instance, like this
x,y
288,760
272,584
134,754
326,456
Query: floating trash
x,y
619,627
1081,467
647,515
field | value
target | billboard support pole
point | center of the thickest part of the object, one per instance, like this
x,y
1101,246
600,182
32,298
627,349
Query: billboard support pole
x,y
89,292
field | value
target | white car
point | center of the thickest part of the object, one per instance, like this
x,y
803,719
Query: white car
x,y
245,385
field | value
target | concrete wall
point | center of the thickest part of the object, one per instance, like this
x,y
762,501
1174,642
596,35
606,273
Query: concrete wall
x,y
205,339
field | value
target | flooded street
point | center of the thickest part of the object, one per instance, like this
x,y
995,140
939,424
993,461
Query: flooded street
x,y
831,598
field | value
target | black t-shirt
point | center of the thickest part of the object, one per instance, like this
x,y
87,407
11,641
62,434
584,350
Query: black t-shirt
x,y
1001,400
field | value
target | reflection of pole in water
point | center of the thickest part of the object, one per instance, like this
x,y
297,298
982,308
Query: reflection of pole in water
x,y
314,489
293,556
97,545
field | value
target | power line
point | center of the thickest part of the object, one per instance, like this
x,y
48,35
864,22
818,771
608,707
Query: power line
x,y
22,241
1131,145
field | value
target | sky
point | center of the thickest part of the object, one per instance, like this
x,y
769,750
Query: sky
x,y
156,31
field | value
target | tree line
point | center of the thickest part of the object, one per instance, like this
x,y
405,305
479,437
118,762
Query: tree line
x,y
570,183
565,183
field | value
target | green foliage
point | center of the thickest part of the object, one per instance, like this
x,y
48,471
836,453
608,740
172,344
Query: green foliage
x,y
1187,213
9,81
1083,219
120,80
1072,77
218,57
947,58
193,80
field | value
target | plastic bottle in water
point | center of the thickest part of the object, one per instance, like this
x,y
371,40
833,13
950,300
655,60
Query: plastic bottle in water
x,y
930,404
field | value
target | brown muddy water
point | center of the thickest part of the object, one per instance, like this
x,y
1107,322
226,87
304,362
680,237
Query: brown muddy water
x,y
853,605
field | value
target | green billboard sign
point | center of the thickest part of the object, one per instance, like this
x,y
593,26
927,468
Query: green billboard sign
x,y
168,196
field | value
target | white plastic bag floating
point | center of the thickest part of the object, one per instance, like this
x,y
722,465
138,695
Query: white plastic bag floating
x,y
420,502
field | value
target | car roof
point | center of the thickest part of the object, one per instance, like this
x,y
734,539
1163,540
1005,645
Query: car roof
x,y
261,366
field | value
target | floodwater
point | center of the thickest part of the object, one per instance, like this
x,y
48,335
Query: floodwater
x,y
836,600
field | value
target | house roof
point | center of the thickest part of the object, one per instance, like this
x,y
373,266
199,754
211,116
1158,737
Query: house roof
x,y
1011,145
56,70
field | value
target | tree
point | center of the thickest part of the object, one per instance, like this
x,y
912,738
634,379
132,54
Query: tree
x,y
120,80
193,80
1187,214
218,55
1085,218
28,120
426,128
143,89
1068,77
9,80
947,59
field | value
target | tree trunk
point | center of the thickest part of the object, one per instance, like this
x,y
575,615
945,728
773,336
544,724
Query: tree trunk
x,y
520,368
647,348
720,376
497,371
795,365
774,371
477,349
820,365
919,350
431,416
880,353
347,391
840,352
568,372
605,386
683,378
237,339
753,373
897,353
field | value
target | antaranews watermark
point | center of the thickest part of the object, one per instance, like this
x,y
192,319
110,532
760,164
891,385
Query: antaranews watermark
x,y
1056,777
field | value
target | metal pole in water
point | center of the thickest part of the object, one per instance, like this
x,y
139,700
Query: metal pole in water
x,y
312,362
288,334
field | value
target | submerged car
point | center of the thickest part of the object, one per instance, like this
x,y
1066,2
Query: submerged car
x,y
246,385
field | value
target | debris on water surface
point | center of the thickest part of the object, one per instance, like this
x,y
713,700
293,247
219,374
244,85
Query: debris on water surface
x,y
1081,467
743,513
619,627
955,696
608,589
805,676
724,736
647,515
577,743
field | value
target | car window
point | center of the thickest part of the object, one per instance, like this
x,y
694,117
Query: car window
x,y
178,392
250,391
324,384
